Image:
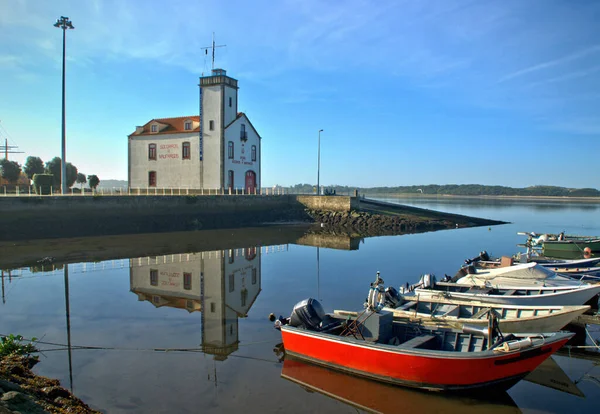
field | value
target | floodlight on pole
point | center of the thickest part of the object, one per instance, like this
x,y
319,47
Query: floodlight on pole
x,y
63,23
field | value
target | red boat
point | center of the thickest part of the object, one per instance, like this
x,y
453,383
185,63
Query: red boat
x,y
377,397
373,345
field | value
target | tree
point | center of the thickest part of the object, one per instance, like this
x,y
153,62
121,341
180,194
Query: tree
x,y
33,165
53,167
81,180
93,181
10,170
71,174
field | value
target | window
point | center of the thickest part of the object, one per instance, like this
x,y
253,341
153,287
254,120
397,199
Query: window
x,y
152,152
185,151
243,134
154,128
152,179
212,307
230,150
250,253
187,281
230,179
230,101
244,296
211,125
189,304
187,126
231,282
253,152
231,256
254,276
154,277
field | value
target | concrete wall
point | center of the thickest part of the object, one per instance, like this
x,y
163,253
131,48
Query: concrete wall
x,y
56,217
171,169
330,203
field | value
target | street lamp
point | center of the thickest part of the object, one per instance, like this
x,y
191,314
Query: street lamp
x,y
319,166
63,23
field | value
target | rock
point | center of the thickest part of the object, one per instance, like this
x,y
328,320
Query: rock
x,y
4,410
55,392
22,403
9,386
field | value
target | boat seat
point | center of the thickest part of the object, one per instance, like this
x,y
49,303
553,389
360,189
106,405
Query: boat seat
x,y
480,313
418,341
510,292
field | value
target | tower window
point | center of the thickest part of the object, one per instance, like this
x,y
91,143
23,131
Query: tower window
x,y
253,152
211,125
188,126
231,282
185,151
230,179
154,128
230,101
243,134
230,150
152,152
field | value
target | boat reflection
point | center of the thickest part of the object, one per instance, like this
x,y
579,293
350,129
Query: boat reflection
x,y
221,284
377,397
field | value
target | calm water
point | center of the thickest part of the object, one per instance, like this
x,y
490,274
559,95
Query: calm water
x,y
209,309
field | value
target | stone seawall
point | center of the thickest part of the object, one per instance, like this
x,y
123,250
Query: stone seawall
x,y
46,217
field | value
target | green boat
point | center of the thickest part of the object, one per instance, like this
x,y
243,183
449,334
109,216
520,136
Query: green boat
x,y
563,243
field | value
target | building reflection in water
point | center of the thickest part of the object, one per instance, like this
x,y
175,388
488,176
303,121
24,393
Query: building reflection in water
x,y
221,284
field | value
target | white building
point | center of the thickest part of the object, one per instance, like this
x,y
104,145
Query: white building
x,y
222,284
219,149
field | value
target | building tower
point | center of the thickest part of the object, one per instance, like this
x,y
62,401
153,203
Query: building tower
x,y
218,109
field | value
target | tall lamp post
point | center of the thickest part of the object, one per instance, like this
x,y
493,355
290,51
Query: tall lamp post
x,y
63,23
319,165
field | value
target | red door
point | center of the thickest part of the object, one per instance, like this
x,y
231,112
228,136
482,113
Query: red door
x,y
250,181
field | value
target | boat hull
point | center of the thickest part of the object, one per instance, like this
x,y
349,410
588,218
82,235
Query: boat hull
x,y
563,297
429,370
570,246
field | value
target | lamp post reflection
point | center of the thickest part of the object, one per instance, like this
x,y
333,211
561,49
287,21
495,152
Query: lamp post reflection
x,y
68,317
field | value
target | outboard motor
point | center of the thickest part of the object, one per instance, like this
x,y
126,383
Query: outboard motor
x,y
392,297
307,314
483,256
427,281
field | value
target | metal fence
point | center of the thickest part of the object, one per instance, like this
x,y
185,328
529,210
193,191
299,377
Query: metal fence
x,y
20,191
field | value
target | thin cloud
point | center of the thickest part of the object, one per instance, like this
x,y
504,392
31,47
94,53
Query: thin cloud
x,y
573,75
551,63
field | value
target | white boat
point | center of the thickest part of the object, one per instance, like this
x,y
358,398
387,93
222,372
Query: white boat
x,y
510,295
511,318
526,274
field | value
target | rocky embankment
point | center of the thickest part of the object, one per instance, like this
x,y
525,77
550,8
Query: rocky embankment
x,y
368,223
21,391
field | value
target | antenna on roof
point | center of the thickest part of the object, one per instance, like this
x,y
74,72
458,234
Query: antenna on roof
x,y
213,49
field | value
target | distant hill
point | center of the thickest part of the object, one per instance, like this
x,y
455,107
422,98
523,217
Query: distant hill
x,y
112,183
464,189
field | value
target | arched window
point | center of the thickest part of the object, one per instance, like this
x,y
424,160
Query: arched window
x,y
230,150
253,152
243,134
185,151
152,152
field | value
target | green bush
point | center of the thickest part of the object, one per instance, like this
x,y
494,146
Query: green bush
x,y
43,183
15,345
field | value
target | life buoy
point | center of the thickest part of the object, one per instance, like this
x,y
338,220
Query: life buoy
x,y
376,298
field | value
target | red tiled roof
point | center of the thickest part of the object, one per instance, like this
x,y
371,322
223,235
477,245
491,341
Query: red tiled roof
x,y
173,125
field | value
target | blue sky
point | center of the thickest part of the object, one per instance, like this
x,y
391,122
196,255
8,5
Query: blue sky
x,y
408,92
